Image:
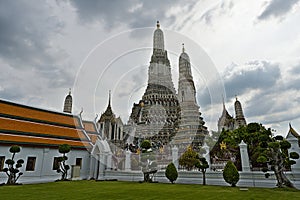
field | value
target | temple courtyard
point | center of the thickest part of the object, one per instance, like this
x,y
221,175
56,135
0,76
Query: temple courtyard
x,y
134,190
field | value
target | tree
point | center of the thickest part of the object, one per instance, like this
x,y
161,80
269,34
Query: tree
x,y
202,165
12,171
171,173
148,161
62,166
274,152
231,174
189,159
264,150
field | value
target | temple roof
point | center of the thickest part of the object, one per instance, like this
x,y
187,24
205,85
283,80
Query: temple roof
x,y
108,114
293,132
25,125
27,113
91,130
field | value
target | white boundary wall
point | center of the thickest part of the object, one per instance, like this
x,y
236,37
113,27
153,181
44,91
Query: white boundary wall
x,y
247,179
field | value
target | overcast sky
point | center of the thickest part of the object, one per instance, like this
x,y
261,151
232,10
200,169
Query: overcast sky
x,y
246,48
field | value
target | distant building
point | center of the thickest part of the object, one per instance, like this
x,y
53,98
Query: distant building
x,y
227,122
111,127
294,138
39,132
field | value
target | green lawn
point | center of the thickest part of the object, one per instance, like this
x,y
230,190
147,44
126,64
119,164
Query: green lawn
x,y
132,190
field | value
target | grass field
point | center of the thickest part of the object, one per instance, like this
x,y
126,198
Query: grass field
x,y
132,190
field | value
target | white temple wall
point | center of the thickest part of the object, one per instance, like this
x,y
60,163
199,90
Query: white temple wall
x,y
43,169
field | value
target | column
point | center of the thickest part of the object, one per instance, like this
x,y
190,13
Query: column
x,y
175,156
108,162
127,161
244,157
92,167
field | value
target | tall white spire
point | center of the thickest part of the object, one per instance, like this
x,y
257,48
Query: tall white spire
x,y
158,39
186,87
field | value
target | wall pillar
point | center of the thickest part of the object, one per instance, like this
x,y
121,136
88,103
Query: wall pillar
x,y
127,161
92,167
175,156
102,165
108,162
244,157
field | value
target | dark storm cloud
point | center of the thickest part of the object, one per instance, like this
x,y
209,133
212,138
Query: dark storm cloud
x,y
24,33
267,96
26,29
253,75
135,13
277,9
239,80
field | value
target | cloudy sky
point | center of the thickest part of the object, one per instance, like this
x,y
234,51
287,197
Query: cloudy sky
x,y
246,48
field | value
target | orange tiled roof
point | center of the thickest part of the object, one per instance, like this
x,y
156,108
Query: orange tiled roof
x,y
20,139
93,137
89,126
32,128
30,113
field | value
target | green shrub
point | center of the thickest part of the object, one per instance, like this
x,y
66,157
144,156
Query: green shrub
x,y
146,144
63,167
171,173
231,174
294,155
12,170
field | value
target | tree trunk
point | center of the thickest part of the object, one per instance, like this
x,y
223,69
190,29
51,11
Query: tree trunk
x,y
204,177
282,180
278,177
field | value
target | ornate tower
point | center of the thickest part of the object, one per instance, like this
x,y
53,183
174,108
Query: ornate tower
x,y
191,125
226,121
156,115
239,116
111,128
68,103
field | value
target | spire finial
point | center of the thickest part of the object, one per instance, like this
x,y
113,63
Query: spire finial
x,y
157,24
183,48
69,91
236,97
109,97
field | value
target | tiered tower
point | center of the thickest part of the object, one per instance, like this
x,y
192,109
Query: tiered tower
x,y
239,115
191,125
68,103
156,115
227,122
111,127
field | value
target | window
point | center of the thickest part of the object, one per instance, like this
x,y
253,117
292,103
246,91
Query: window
x,y
79,162
30,163
2,158
55,165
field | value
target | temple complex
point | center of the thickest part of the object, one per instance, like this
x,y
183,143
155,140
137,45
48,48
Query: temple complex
x,y
162,115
